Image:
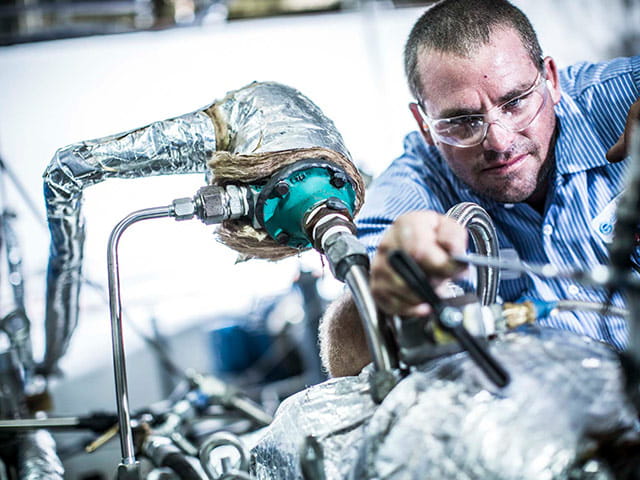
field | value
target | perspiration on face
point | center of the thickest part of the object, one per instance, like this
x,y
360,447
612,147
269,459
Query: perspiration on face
x,y
507,167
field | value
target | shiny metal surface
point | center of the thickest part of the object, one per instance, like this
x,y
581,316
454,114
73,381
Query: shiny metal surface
x,y
271,117
485,239
383,378
117,338
179,145
335,412
37,458
563,414
446,421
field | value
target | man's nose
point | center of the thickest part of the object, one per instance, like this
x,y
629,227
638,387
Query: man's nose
x,y
498,138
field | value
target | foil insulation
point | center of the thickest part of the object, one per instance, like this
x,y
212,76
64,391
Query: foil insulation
x,y
178,145
334,413
564,416
253,120
271,117
37,458
261,129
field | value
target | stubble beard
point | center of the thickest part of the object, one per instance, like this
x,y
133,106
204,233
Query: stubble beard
x,y
515,187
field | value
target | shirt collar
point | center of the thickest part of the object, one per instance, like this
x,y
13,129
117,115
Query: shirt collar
x,y
578,148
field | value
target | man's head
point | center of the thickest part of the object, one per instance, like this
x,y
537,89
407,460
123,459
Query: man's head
x,y
486,95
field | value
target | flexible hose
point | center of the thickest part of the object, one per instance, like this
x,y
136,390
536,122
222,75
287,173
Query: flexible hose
x,y
596,307
485,239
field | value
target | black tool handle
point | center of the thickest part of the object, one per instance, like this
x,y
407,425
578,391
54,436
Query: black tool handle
x,y
481,356
418,282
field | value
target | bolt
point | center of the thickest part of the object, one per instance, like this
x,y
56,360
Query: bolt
x,y
282,238
334,203
338,180
281,189
451,317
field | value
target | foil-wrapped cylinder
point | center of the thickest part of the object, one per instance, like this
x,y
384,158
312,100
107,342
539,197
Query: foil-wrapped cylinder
x,y
271,117
334,413
261,129
251,122
563,416
37,457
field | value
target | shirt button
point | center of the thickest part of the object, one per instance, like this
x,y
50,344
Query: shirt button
x,y
573,289
547,230
508,205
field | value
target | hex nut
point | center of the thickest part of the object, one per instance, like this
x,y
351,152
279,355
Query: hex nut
x,y
183,208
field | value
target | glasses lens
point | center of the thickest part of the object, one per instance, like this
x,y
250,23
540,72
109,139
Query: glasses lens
x,y
519,113
460,131
514,115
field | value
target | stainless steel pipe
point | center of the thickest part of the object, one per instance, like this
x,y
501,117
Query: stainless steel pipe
x,y
117,338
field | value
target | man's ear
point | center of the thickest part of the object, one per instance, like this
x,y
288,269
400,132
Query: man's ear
x,y
553,81
422,125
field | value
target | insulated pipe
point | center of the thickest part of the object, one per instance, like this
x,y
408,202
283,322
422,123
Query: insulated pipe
x,y
37,457
179,145
483,233
254,120
128,466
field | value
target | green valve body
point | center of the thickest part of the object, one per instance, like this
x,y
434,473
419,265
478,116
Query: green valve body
x,y
291,193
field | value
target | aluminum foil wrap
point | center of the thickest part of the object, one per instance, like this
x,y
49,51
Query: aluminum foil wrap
x,y
178,145
334,412
271,117
563,416
258,118
37,458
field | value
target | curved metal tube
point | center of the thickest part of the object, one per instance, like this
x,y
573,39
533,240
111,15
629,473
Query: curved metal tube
x,y
117,339
222,439
358,282
484,236
174,146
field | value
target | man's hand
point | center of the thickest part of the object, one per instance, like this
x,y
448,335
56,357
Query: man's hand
x,y
430,238
621,148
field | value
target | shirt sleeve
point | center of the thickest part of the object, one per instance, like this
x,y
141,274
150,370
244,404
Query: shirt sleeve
x,y
604,93
414,181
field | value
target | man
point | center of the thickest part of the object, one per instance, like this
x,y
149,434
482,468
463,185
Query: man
x,y
502,127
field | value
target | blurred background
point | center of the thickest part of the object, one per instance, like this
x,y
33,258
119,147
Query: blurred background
x,y
77,70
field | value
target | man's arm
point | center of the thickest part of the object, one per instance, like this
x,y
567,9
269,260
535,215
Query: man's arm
x,y
343,346
621,148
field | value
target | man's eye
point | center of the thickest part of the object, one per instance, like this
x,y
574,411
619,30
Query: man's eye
x,y
464,121
517,103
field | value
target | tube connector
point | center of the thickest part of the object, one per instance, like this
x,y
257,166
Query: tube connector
x,y
213,204
343,250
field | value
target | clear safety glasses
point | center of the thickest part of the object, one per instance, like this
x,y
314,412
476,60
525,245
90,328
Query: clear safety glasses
x,y
513,115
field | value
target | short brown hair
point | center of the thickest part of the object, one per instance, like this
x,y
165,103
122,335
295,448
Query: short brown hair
x,y
460,27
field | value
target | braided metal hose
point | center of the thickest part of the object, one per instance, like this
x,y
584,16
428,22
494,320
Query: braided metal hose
x,y
485,239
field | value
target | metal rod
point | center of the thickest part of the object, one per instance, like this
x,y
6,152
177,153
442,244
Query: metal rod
x,y
358,283
37,423
117,339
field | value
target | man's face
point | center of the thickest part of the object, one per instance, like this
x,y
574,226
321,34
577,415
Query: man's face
x,y
506,166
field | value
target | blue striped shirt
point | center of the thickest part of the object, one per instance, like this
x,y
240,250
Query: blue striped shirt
x,y
572,232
